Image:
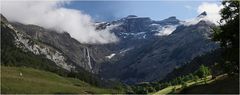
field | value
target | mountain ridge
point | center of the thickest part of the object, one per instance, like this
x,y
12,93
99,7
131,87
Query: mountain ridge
x,y
130,54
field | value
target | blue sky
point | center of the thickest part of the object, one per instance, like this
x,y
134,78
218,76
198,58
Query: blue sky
x,y
157,10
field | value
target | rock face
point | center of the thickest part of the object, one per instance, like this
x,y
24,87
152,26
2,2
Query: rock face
x,y
26,43
75,52
140,55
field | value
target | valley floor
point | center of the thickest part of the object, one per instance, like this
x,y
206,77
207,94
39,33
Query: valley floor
x,y
27,80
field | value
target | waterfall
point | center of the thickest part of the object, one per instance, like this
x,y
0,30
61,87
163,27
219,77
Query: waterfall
x,y
89,60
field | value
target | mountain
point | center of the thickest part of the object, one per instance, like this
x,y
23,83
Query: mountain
x,y
147,50
153,57
203,14
21,50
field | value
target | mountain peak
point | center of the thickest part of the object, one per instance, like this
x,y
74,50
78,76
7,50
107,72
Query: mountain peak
x,y
203,14
172,17
135,17
171,20
131,16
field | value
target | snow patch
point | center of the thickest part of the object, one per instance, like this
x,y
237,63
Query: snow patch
x,y
166,30
123,51
110,56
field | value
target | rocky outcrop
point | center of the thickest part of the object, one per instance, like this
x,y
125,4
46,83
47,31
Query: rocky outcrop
x,y
25,42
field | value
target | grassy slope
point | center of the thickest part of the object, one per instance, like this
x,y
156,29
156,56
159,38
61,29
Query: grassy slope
x,y
36,81
222,85
169,89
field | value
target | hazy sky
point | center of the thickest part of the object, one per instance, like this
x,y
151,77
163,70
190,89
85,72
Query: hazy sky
x,y
157,10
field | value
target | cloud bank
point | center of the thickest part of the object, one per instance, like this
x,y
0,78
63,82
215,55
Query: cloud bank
x,y
53,15
212,10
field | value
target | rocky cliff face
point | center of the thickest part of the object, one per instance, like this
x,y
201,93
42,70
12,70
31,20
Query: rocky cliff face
x,y
75,53
27,44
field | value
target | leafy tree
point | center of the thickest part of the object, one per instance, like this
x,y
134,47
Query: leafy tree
x,y
151,89
195,78
158,87
203,72
174,89
184,85
141,90
228,35
129,90
191,76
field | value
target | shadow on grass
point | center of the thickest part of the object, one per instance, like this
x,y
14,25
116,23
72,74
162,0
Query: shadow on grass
x,y
225,85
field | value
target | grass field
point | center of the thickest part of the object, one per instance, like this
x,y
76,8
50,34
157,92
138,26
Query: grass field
x,y
27,80
220,85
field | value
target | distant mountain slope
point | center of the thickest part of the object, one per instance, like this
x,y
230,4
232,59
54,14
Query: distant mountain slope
x,y
210,59
154,58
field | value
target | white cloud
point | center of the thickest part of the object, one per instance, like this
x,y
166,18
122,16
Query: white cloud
x,y
166,30
52,15
212,10
193,21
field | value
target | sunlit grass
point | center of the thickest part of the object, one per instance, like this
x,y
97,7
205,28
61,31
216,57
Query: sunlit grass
x,y
36,81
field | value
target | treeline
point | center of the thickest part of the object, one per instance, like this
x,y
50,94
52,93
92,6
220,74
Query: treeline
x,y
151,87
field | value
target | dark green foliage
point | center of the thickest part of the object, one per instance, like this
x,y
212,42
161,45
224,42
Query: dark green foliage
x,y
83,76
203,72
195,78
224,85
140,90
228,35
151,89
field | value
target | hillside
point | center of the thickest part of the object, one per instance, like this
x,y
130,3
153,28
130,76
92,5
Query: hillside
x,y
223,85
28,80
